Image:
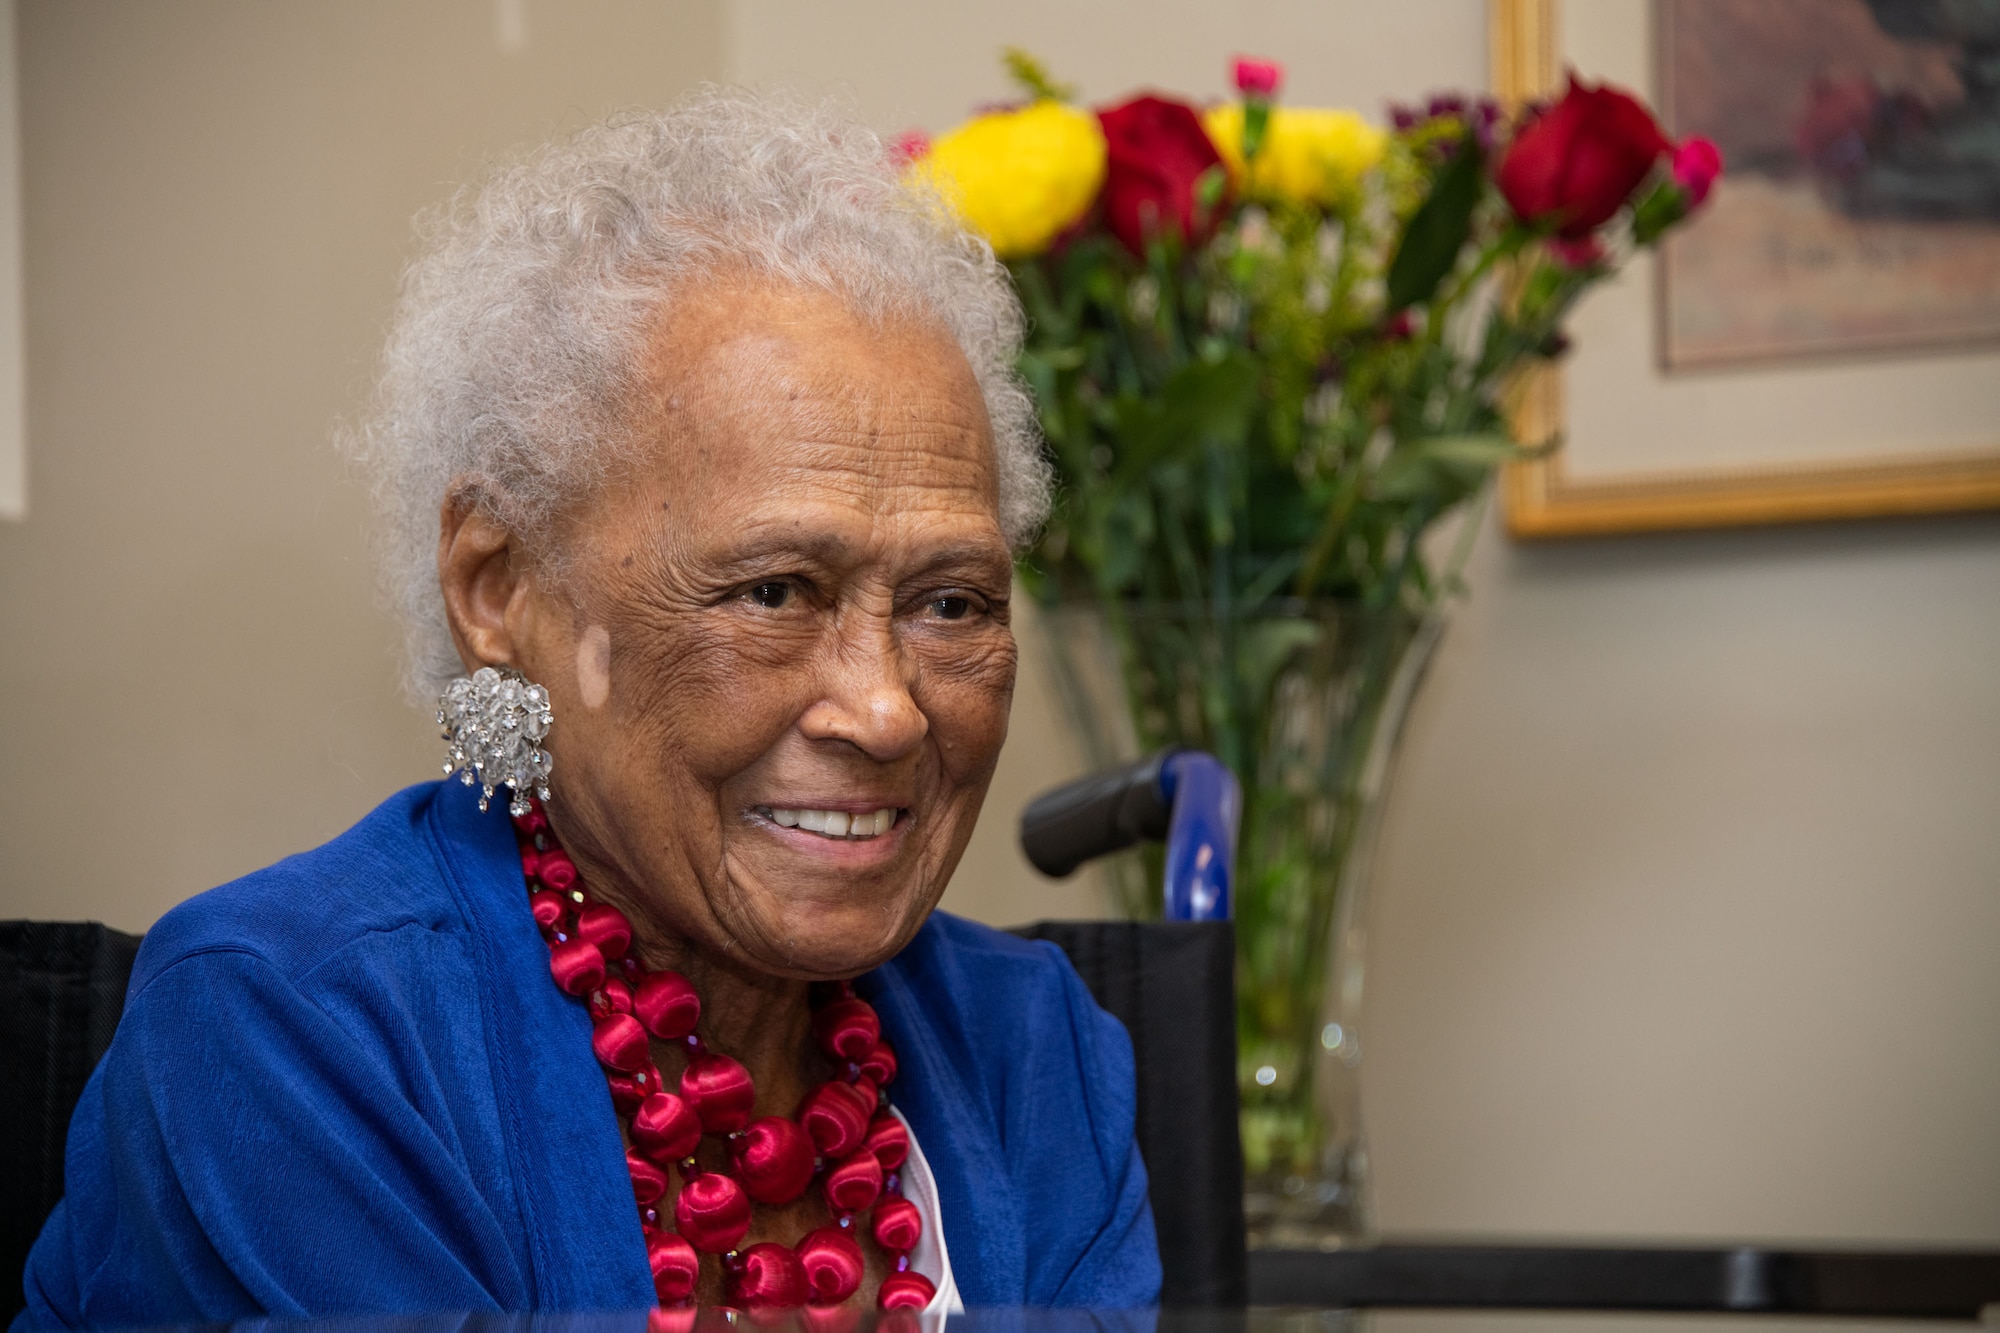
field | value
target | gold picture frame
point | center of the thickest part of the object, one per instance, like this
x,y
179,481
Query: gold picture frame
x,y
1542,500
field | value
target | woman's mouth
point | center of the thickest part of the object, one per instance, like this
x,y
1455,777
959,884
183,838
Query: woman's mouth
x,y
840,824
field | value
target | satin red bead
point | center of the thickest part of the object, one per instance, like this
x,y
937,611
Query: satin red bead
x,y
905,1291
621,1043
576,965
613,997
846,1028
649,1182
836,1115
833,1265
841,1135
627,1093
667,1004
712,1212
774,1159
666,1128
855,1183
720,1091
880,1063
676,1266
606,927
888,1140
556,871
896,1225
769,1275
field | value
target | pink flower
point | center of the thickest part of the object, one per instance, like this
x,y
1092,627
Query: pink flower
x,y
909,146
1697,162
1258,78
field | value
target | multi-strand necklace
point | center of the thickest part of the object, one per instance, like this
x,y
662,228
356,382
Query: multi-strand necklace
x,y
843,1138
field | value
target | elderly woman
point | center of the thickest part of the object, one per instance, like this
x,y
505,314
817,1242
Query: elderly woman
x,y
703,459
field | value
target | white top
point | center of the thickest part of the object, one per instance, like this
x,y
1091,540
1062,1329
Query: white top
x,y
930,1257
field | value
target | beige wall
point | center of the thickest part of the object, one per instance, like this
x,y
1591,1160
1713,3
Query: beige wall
x,y
218,197
1687,918
1690,910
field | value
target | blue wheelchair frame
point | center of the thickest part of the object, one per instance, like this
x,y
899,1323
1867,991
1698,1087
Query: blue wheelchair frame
x,y
1186,797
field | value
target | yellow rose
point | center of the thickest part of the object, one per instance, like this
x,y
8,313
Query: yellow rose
x,y
1309,155
1020,177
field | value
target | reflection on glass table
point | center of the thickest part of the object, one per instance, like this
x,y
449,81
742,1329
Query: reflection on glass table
x,y
1254,1320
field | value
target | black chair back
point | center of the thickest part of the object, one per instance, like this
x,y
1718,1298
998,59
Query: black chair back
x,y
1173,985
62,987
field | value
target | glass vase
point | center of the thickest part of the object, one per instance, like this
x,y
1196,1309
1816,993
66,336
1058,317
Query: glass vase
x,y
1305,703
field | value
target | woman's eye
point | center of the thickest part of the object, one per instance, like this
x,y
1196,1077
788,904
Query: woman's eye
x,y
951,608
773,595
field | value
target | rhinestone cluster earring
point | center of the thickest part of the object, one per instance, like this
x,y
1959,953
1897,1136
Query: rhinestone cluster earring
x,y
494,721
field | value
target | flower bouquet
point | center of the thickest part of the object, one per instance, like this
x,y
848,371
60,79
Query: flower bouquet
x,y
1272,349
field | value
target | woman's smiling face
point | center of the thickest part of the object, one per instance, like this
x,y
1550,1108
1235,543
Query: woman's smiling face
x,y
788,618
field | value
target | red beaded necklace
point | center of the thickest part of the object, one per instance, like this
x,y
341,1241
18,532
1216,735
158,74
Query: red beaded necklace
x,y
844,1135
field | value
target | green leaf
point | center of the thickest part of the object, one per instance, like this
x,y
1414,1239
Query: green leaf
x,y
1441,468
1209,187
1213,401
1033,77
1438,229
1473,450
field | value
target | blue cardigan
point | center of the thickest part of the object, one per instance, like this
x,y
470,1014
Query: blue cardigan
x,y
346,1084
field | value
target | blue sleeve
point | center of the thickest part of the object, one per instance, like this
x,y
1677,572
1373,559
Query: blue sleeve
x,y
1111,1260
251,1146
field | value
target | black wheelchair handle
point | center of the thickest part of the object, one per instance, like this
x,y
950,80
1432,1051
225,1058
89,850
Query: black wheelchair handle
x,y
1104,812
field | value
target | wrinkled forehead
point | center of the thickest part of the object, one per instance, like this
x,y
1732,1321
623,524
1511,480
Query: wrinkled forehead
x,y
779,415
745,368
732,322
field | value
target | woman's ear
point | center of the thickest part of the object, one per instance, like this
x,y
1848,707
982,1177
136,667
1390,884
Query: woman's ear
x,y
483,575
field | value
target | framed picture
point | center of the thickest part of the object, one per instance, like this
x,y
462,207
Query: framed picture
x,y
1823,340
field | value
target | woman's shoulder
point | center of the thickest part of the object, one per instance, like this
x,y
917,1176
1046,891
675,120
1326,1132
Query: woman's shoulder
x,y
996,997
985,967
336,1013
389,872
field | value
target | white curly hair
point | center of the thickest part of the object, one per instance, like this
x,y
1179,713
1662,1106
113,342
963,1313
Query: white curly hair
x,y
515,356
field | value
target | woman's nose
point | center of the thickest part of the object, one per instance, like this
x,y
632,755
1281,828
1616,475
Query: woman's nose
x,y
867,698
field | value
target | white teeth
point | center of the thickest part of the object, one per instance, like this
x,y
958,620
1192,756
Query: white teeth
x,y
834,823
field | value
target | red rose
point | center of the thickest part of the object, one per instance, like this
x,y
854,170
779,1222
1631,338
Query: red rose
x,y
1258,78
1579,162
1156,154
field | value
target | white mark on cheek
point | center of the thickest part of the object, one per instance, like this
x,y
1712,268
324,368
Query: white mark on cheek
x,y
593,666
